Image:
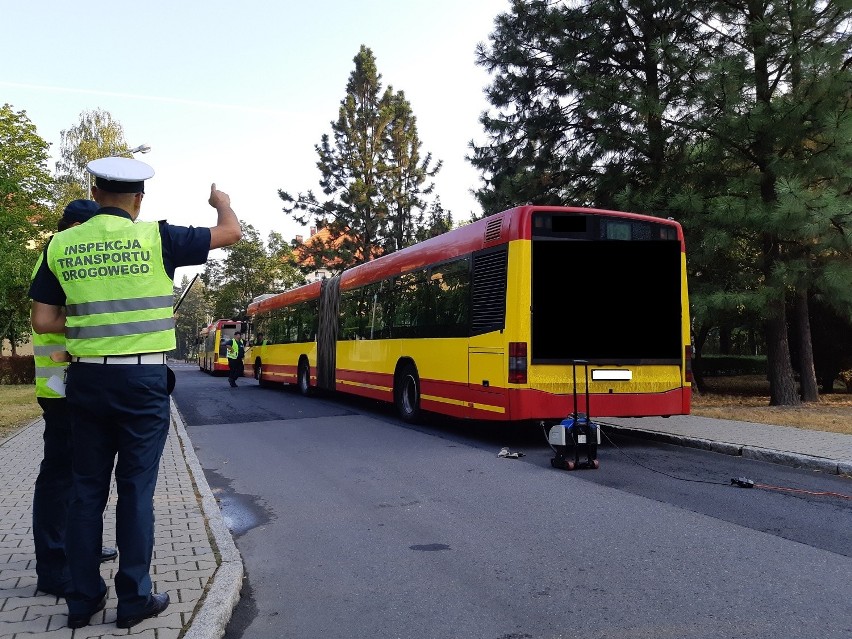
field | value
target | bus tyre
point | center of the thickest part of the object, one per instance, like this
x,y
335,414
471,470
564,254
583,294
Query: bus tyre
x,y
303,378
258,375
406,391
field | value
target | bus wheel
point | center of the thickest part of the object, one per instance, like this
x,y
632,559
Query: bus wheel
x,y
406,391
303,378
258,375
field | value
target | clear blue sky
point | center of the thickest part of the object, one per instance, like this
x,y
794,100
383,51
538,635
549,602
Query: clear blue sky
x,y
239,93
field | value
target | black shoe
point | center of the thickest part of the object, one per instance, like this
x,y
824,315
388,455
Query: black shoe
x,y
233,385
156,604
108,554
81,621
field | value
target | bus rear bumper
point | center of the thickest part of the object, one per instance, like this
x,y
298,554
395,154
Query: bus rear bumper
x,y
526,404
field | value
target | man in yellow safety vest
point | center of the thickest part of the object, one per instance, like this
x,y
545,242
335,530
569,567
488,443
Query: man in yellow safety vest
x,y
52,491
234,353
108,284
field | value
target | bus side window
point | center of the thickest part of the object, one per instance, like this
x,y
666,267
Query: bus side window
x,y
348,316
380,324
278,327
312,309
452,301
300,313
414,307
373,315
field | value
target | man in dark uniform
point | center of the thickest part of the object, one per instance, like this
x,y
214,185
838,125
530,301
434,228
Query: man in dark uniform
x,y
235,353
108,284
52,491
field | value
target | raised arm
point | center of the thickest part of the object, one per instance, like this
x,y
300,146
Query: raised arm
x,y
227,230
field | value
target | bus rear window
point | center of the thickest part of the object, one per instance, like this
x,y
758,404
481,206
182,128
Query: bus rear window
x,y
617,230
576,226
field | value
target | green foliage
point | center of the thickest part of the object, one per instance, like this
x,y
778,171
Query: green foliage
x,y
373,177
249,269
95,135
25,186
586,102
729,365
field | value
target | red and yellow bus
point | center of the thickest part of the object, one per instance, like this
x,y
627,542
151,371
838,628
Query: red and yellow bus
x,y
213,345
487,321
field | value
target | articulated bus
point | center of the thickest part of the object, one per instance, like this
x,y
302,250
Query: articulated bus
x,y
490,320
213,345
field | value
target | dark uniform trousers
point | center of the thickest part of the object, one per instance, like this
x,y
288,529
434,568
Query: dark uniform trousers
x,y
235,370
116,410
50,496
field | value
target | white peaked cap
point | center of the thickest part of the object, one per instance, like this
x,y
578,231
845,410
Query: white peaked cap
x,y
120,175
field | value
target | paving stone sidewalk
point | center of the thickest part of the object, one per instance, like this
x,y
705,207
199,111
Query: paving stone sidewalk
x,y
195,559
798,447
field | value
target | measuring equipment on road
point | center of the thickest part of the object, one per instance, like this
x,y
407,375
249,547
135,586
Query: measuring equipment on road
x,y
575,433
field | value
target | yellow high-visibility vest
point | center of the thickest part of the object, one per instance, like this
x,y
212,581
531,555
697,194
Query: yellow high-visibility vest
x,y
118,294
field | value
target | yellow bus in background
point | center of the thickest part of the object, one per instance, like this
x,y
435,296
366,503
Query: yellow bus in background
x,y
487,321
213,343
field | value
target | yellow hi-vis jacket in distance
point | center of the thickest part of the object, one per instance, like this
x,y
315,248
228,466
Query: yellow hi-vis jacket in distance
x,y
233,350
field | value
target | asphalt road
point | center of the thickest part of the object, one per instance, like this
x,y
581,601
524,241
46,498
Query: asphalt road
x,y
352,524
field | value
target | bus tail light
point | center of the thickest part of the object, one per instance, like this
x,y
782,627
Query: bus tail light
x,y
687,358
517,362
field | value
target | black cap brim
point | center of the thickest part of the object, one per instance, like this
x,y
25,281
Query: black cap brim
x,y
116,186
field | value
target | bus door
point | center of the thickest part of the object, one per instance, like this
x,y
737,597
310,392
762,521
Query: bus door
x,y
485,369
486,380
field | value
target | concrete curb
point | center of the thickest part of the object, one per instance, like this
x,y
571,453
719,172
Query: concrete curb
x,y
797,460
791,459
217,605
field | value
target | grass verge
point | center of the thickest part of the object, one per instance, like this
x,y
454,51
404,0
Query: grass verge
x,y
18,407
746,398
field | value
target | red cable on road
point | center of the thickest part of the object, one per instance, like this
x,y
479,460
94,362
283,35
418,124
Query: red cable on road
x,y
801,490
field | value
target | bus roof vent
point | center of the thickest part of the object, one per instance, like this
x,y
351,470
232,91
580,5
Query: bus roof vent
x,y
492,230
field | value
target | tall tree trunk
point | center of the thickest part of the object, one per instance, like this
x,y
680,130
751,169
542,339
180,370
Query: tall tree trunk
x,y
802,325
782,383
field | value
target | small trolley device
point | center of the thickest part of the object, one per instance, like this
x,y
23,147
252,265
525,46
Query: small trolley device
x,y
575,433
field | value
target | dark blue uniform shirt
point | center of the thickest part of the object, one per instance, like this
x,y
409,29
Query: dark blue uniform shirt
x,y
182,246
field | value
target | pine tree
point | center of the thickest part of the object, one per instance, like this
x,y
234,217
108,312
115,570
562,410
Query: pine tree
x,y
586,101
404,177
372,175
774,112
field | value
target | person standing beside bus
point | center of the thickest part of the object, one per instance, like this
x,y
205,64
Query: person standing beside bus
x,y
108,284
52,491
235,353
